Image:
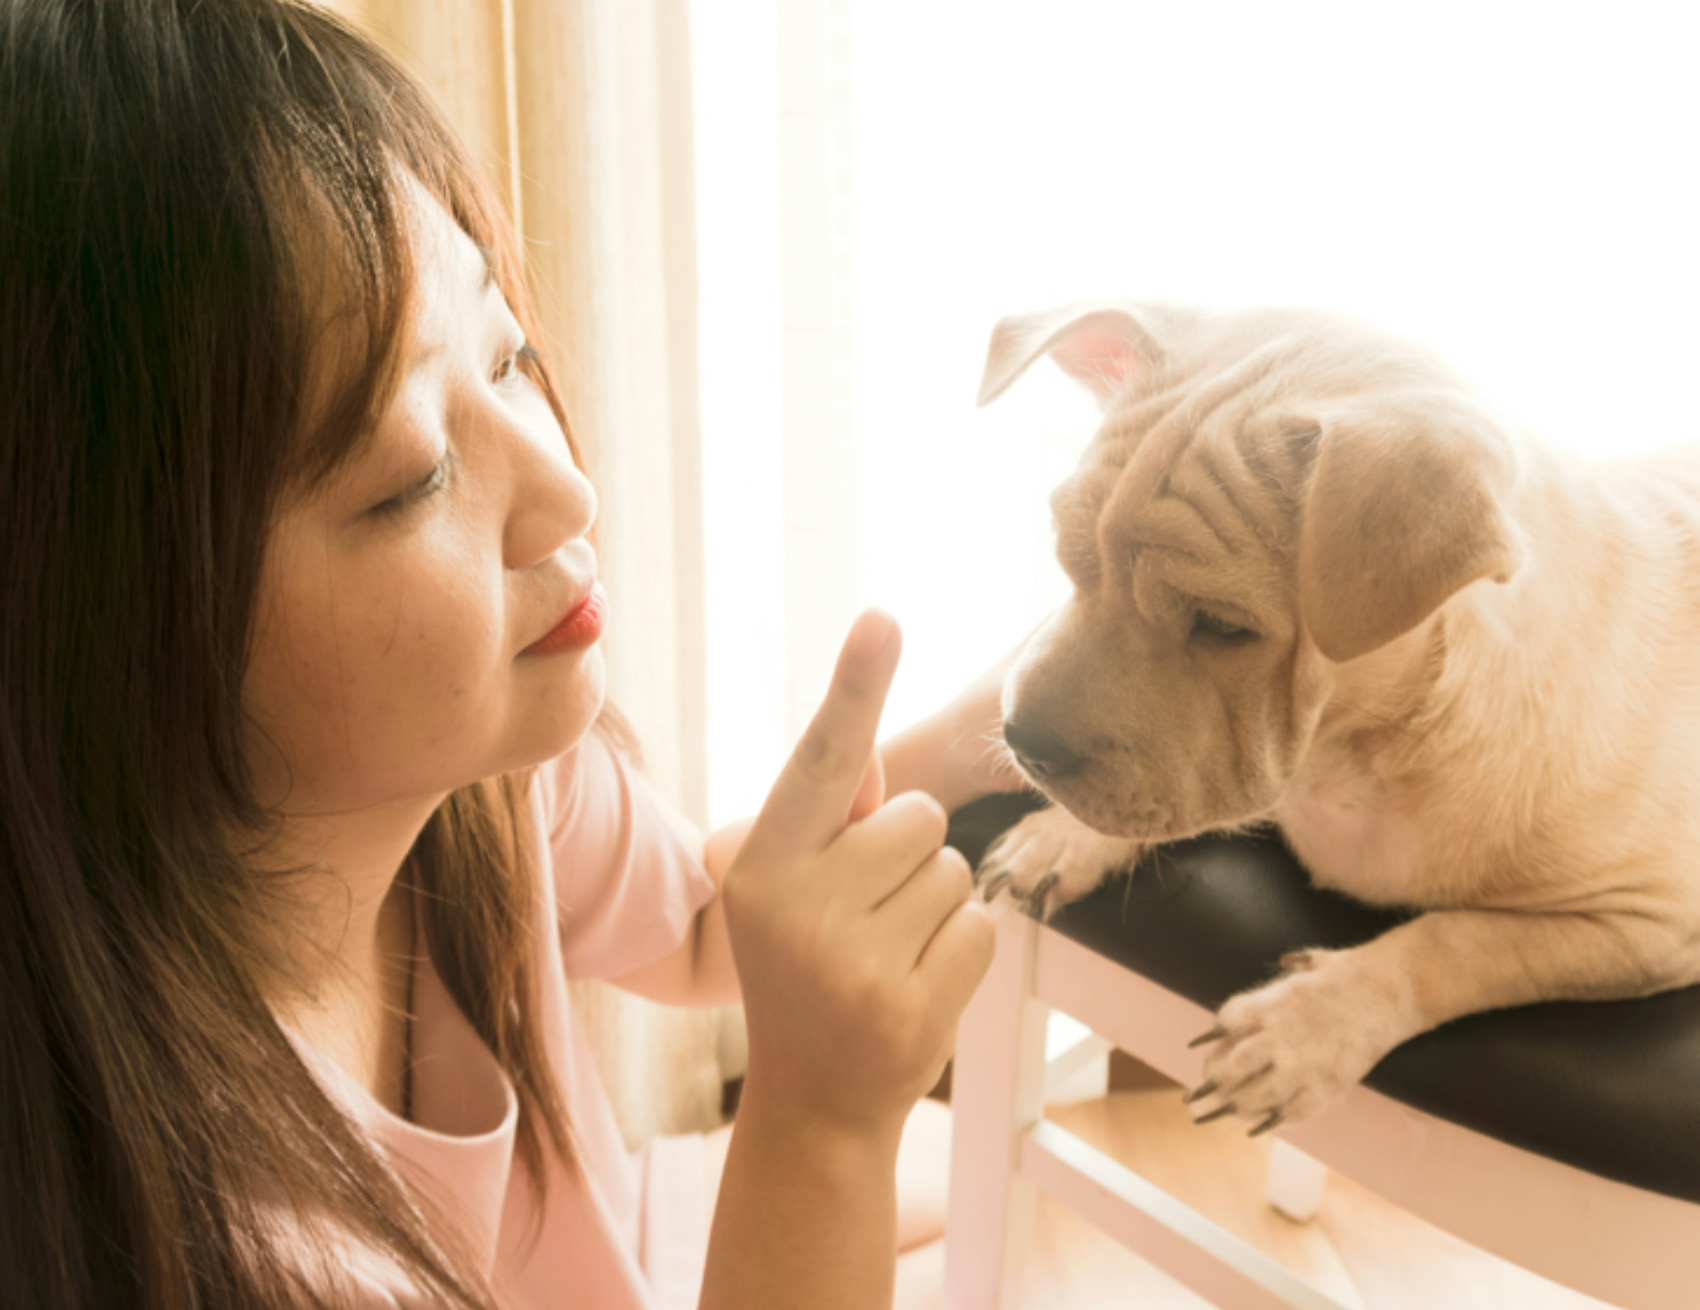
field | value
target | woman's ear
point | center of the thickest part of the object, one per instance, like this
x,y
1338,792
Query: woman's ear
x,y
1406,507
1105,346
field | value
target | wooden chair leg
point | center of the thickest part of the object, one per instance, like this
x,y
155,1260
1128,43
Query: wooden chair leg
x,y
997,1093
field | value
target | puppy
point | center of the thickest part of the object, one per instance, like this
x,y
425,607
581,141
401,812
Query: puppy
x,y
1318,582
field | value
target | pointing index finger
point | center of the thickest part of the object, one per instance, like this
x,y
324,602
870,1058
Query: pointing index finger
x,y
810,802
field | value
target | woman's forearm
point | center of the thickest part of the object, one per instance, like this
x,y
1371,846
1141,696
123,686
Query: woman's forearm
x,y
921,758
957,754
806,1217
952,756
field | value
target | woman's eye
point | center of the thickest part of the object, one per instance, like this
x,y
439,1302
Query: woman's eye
x,y
509,369
427,485
1206,624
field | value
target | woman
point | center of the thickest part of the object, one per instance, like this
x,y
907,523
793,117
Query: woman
x,y
308,799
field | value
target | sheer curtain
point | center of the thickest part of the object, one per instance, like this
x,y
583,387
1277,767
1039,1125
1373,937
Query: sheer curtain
x,y
581,111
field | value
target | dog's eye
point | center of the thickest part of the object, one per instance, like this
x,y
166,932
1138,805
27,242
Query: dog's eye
x,y
1206,624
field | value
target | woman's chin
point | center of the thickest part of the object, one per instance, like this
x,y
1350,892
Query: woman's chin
x,y
557,714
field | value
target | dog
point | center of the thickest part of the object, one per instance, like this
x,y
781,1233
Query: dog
x,y
1321,583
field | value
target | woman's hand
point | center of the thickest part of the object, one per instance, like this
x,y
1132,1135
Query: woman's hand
x,y
858,945
855,933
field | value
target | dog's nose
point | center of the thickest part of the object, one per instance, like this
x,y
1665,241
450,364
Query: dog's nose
x,y
1041,755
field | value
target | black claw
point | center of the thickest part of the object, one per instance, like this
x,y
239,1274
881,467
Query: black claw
x,y
1216,1034
993,885
1198,1093
1041,889
1274,1120
1215,1114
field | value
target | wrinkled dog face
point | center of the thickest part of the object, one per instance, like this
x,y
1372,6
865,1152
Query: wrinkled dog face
x,y
1231,536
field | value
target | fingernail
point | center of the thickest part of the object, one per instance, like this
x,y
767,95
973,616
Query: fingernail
x,y
875,630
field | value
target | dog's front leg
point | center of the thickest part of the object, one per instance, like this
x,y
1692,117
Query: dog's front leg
x,y
1051,858
1285,1050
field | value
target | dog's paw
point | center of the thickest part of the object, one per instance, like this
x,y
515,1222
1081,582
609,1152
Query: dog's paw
x,y
1051,858
1280,1053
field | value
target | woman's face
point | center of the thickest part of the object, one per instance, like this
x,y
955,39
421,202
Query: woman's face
x,y
399,602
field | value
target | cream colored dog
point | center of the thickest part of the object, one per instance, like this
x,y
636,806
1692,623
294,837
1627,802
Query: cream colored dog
x,y
1318,582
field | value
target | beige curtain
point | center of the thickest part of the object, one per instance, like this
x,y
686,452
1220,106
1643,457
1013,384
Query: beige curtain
x,y
581,111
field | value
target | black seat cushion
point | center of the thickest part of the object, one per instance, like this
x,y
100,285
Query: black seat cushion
x,y
1612,1087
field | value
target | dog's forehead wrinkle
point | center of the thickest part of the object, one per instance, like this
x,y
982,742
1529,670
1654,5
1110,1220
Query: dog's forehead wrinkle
x,y
1202,508
1273,498
1239,511
1209,455
1254,525
1140,416
1175,524
1218,403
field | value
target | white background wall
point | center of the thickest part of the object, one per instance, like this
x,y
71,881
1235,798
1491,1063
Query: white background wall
x,y
1513,184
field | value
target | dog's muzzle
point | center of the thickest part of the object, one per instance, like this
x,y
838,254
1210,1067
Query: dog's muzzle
x,y
1042,756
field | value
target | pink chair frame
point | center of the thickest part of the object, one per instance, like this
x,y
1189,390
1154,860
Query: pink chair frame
x,y
1632,1248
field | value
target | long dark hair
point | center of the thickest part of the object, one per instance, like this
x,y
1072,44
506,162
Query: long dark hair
x,y
172,172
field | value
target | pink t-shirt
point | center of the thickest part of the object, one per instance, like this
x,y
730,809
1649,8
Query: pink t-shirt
x,y
626,1232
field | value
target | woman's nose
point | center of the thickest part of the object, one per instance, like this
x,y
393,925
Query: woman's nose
x,y
553,503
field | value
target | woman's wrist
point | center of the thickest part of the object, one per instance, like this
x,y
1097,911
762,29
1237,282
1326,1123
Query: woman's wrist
x,y
835,1144
807,1210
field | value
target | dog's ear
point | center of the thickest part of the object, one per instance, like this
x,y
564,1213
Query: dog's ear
x,y
1103,345
1405,508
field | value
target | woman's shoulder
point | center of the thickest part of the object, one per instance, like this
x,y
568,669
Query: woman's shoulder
x,y
626,866
594,789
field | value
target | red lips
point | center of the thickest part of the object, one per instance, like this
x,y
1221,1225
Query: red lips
x,y
580,628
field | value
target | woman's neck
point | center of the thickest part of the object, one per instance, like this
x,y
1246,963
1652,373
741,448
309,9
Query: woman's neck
x,y
360,1016
354,944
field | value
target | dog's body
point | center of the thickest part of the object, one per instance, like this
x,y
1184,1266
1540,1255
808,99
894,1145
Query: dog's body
x,y
1318,583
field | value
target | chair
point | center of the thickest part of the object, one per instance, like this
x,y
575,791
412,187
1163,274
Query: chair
x,y
1562,1137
